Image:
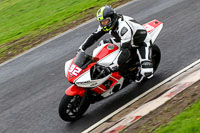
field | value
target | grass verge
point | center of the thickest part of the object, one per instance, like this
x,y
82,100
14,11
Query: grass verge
x,y
26,23
186,122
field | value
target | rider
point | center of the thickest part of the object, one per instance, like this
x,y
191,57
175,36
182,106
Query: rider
x,y
129,33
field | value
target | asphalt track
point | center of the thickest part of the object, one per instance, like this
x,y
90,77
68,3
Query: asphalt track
x,y
32,85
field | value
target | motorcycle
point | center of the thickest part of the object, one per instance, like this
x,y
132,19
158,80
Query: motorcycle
x,y
90,84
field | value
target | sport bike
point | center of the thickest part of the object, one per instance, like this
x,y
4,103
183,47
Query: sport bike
x,y
91,84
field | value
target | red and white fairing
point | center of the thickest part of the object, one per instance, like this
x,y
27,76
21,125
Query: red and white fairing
x,y
104,56
106,53
153,28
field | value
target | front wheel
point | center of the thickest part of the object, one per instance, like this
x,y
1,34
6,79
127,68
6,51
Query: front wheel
x,y
71,108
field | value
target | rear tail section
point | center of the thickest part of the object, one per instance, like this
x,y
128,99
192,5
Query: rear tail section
x,y
153,28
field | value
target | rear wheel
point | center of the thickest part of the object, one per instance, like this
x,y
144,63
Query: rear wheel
x,y
156,56
71,108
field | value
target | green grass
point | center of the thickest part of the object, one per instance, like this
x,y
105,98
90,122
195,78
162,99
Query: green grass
x,y
19,18
186,122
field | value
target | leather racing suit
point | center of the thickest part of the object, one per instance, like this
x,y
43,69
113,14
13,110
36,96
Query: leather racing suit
x,y
129,33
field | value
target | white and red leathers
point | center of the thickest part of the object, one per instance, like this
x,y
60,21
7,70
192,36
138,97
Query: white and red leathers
x,y
129,33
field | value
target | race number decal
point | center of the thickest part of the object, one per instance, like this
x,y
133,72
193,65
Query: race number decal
x,y
75,70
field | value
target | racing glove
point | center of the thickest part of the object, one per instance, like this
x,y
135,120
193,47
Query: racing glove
x,y
108,70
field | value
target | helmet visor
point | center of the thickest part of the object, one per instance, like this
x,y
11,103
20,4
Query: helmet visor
x,y
105,22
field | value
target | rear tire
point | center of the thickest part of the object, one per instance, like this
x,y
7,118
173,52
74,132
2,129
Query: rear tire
x,y
71,108
156,56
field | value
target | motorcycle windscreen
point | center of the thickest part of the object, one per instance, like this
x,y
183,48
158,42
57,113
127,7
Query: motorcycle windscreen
x,y
82,60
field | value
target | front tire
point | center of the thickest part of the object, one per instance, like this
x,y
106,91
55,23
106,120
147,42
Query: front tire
x,y
71,108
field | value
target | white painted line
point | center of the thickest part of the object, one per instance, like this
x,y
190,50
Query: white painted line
x,y
140,96
146,108
62,34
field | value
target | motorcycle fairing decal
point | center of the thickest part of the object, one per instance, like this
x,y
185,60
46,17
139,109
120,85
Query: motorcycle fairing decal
x,y
114,78
106,50
150,26
100,89
75,90
74,71
67,65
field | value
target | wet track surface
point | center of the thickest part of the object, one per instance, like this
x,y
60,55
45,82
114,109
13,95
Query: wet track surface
x,y
32,86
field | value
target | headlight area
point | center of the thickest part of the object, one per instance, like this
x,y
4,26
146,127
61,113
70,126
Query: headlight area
x,y
86,84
